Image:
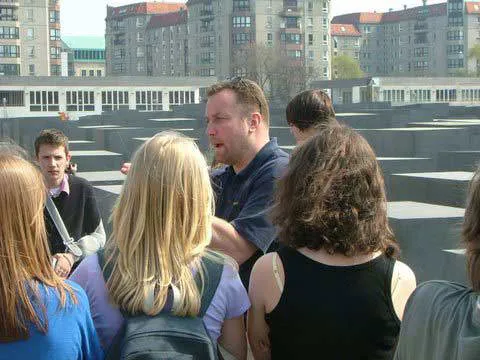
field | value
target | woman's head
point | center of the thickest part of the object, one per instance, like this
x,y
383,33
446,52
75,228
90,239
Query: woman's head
x,y
333,196
471,231
161,222
24,253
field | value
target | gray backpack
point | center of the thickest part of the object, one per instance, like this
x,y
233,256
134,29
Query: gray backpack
x,y
166,336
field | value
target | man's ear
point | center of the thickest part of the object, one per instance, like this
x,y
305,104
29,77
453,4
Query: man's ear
x,y
255,121
69,156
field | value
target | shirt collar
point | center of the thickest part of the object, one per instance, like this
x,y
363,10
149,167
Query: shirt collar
x,y
64,187
265,152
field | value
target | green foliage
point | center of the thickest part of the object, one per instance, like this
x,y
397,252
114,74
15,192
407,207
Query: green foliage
x,y
346,67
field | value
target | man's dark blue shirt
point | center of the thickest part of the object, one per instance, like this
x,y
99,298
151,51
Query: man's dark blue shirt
x,y
244,199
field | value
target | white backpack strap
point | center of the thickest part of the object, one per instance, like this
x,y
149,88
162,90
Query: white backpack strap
x,y
276,273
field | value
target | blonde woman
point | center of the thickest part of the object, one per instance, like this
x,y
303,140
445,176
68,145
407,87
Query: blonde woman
x,y
41,316
161,230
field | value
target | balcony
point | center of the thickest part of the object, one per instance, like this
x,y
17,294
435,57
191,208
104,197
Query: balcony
x,y
206,13
6,17
206,28
420,27
10,3
119,42
291,11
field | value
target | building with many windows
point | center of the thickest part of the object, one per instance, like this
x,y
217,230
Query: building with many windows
x,y
167,44
427,40
86,55
223,32
30,37
125,44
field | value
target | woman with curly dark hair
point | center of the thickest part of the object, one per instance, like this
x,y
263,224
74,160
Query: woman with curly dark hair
x,y
335,290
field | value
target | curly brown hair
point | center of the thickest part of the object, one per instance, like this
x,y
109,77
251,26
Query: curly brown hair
x,y
333,198
471,231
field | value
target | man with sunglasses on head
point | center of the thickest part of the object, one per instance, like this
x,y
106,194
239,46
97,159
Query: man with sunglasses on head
x,y
237,116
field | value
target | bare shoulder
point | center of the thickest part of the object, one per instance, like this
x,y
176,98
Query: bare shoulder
x,y
405,274
262,270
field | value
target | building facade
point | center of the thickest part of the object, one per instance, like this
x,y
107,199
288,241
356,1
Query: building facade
x,y
428,40
86,55
79,96
30,38
125,44
224,32
167,45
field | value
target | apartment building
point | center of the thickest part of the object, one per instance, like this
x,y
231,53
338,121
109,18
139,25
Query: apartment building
x,y
167,44
125,44
30,37
427,40
86,55
345,40
223,31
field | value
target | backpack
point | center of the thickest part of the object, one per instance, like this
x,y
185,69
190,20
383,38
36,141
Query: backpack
x,y
166,336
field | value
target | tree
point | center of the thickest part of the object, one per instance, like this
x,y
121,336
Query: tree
x,y
279,76
474,54
346,67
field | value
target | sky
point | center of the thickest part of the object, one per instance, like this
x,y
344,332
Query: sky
x,y
87,17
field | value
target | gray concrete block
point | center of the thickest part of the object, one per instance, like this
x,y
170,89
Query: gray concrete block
x,y
80,145
114,177
458,160
99,160
443,188
423,232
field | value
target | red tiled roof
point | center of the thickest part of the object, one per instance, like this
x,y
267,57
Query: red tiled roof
x,y
472,7
167,19
391,16
344,30
144,8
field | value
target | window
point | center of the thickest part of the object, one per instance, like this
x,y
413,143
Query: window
x,y
30,34
6,14
9,32
310,6
55,52
55,70
310,39
31,51
149,100
291,22
140,37
9,69
31,69
241,21
80,101
54,16
140,52
240,38
43,100
29,14
14,98
9,51
114,100
119,53
325,39
456,49
140,66
325,6
99,73
241,5
140,21
54,34
91,73
455,35
291,38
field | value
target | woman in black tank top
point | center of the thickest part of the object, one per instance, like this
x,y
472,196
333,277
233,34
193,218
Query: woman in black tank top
x,y
334,290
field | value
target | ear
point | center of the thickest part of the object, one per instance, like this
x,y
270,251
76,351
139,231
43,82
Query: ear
x,y
69,156
255,120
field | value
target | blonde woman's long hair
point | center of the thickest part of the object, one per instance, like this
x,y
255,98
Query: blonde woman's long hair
x,y
25,260
161,227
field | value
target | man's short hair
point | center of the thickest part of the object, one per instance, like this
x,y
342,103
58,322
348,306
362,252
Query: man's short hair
x,y
248,94
52,137
9,147
310,109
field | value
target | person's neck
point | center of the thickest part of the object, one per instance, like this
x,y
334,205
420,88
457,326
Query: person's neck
x,y
324,257
250,155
